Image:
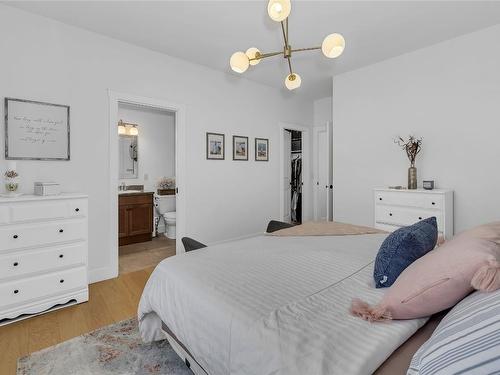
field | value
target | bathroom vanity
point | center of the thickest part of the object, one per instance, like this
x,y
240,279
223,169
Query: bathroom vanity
x,y
135,217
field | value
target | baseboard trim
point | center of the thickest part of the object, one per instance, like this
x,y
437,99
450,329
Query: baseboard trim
x,y
101,274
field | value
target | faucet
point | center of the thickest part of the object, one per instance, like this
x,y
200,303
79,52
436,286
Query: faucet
x,y
122,187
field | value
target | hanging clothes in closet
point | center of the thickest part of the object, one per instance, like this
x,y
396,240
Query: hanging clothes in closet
x,y
296,182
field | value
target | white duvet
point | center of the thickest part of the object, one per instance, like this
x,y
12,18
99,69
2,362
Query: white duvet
x,y
273,305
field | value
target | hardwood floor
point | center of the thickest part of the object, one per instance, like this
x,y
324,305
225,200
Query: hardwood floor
x,y
110,301
142,255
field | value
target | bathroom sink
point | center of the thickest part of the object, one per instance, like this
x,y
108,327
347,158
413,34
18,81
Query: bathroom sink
x,y
130,191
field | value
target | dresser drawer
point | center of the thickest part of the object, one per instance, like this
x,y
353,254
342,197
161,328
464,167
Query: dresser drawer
x,y
25,262
28,235
18,292
401,198
400,216
20,212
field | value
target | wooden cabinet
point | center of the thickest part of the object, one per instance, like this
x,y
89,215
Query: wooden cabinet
x,y
135,218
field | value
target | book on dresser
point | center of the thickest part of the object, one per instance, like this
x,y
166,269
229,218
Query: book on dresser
x,y
43,254
397,208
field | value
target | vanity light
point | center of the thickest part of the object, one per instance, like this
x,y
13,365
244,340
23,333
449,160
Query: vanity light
x,y
133,130
125,128
279,10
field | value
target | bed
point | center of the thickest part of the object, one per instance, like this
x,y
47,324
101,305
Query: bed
x,y
272,305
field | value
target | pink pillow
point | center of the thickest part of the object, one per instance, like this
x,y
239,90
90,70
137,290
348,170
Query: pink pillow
x,y
490,232
438,280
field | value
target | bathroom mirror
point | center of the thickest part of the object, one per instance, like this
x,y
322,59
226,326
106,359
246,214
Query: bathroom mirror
x,y
128,156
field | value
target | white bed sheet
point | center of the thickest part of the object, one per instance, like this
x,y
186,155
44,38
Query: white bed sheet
x,y
273,305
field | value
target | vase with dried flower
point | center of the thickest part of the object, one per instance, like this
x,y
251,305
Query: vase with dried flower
x,y
412,147
166,186
11,181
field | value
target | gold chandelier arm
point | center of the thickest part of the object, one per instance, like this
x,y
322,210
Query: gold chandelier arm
x,y
285,33
289,64
305,49
265,55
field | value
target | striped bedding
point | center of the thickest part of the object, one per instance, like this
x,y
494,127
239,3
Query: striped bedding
x,y
467,341
271,305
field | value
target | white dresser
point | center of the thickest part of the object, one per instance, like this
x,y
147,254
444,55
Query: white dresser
x,y
43,254
398,208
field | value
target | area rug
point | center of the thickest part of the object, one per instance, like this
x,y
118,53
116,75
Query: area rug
x,y
114,349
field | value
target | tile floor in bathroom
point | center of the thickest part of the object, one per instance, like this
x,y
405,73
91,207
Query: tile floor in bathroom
x,y
142,255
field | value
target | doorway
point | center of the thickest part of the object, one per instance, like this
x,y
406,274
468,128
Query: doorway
x,y
146,197
294,172
138,190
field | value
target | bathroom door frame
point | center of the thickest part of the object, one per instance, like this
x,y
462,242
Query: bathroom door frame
x,y
115,98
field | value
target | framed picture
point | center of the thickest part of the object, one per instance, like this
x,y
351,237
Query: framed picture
x,y
261,149
215,146
240,148
36,130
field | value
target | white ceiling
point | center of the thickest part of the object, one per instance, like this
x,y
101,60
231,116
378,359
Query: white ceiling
x,y
208,32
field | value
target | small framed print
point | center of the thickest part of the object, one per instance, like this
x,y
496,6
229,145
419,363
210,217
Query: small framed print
x,y
240,147
261,149
215,146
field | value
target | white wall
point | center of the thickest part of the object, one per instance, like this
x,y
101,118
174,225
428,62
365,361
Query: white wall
x,y
48,61
322,111
156,144
449,94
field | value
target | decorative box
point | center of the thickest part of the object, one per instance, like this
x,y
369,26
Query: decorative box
x,y
428,185
47,188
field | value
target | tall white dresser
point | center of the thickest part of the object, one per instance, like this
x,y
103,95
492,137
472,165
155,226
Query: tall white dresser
x,y
43,254
398,208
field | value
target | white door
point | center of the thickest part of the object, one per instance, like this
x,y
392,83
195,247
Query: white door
x,y
323,170
287,175
329,170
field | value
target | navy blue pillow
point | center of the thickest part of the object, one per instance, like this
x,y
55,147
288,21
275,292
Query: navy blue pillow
x,y
401,248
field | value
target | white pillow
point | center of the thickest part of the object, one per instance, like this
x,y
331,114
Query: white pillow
x,y
467,341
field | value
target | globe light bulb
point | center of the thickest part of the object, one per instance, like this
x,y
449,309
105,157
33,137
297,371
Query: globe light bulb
x,y
333,45
279,10
251,53
292,81
239,62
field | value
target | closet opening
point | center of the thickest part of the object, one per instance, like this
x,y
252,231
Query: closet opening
x,y
295,185
295,173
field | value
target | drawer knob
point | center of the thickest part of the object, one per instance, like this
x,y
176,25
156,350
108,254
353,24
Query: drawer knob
x,y
77,209
61,256
390,214
15,236
61,230
16,291
420,218
61,281
433,203
16,264
380,199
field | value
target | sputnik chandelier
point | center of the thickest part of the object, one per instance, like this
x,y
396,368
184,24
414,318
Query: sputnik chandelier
x,y
333,45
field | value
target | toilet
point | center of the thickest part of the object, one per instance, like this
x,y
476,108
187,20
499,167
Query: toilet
x,y
166,207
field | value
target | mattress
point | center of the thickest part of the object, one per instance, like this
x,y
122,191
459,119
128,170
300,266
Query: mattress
x,y
273,305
